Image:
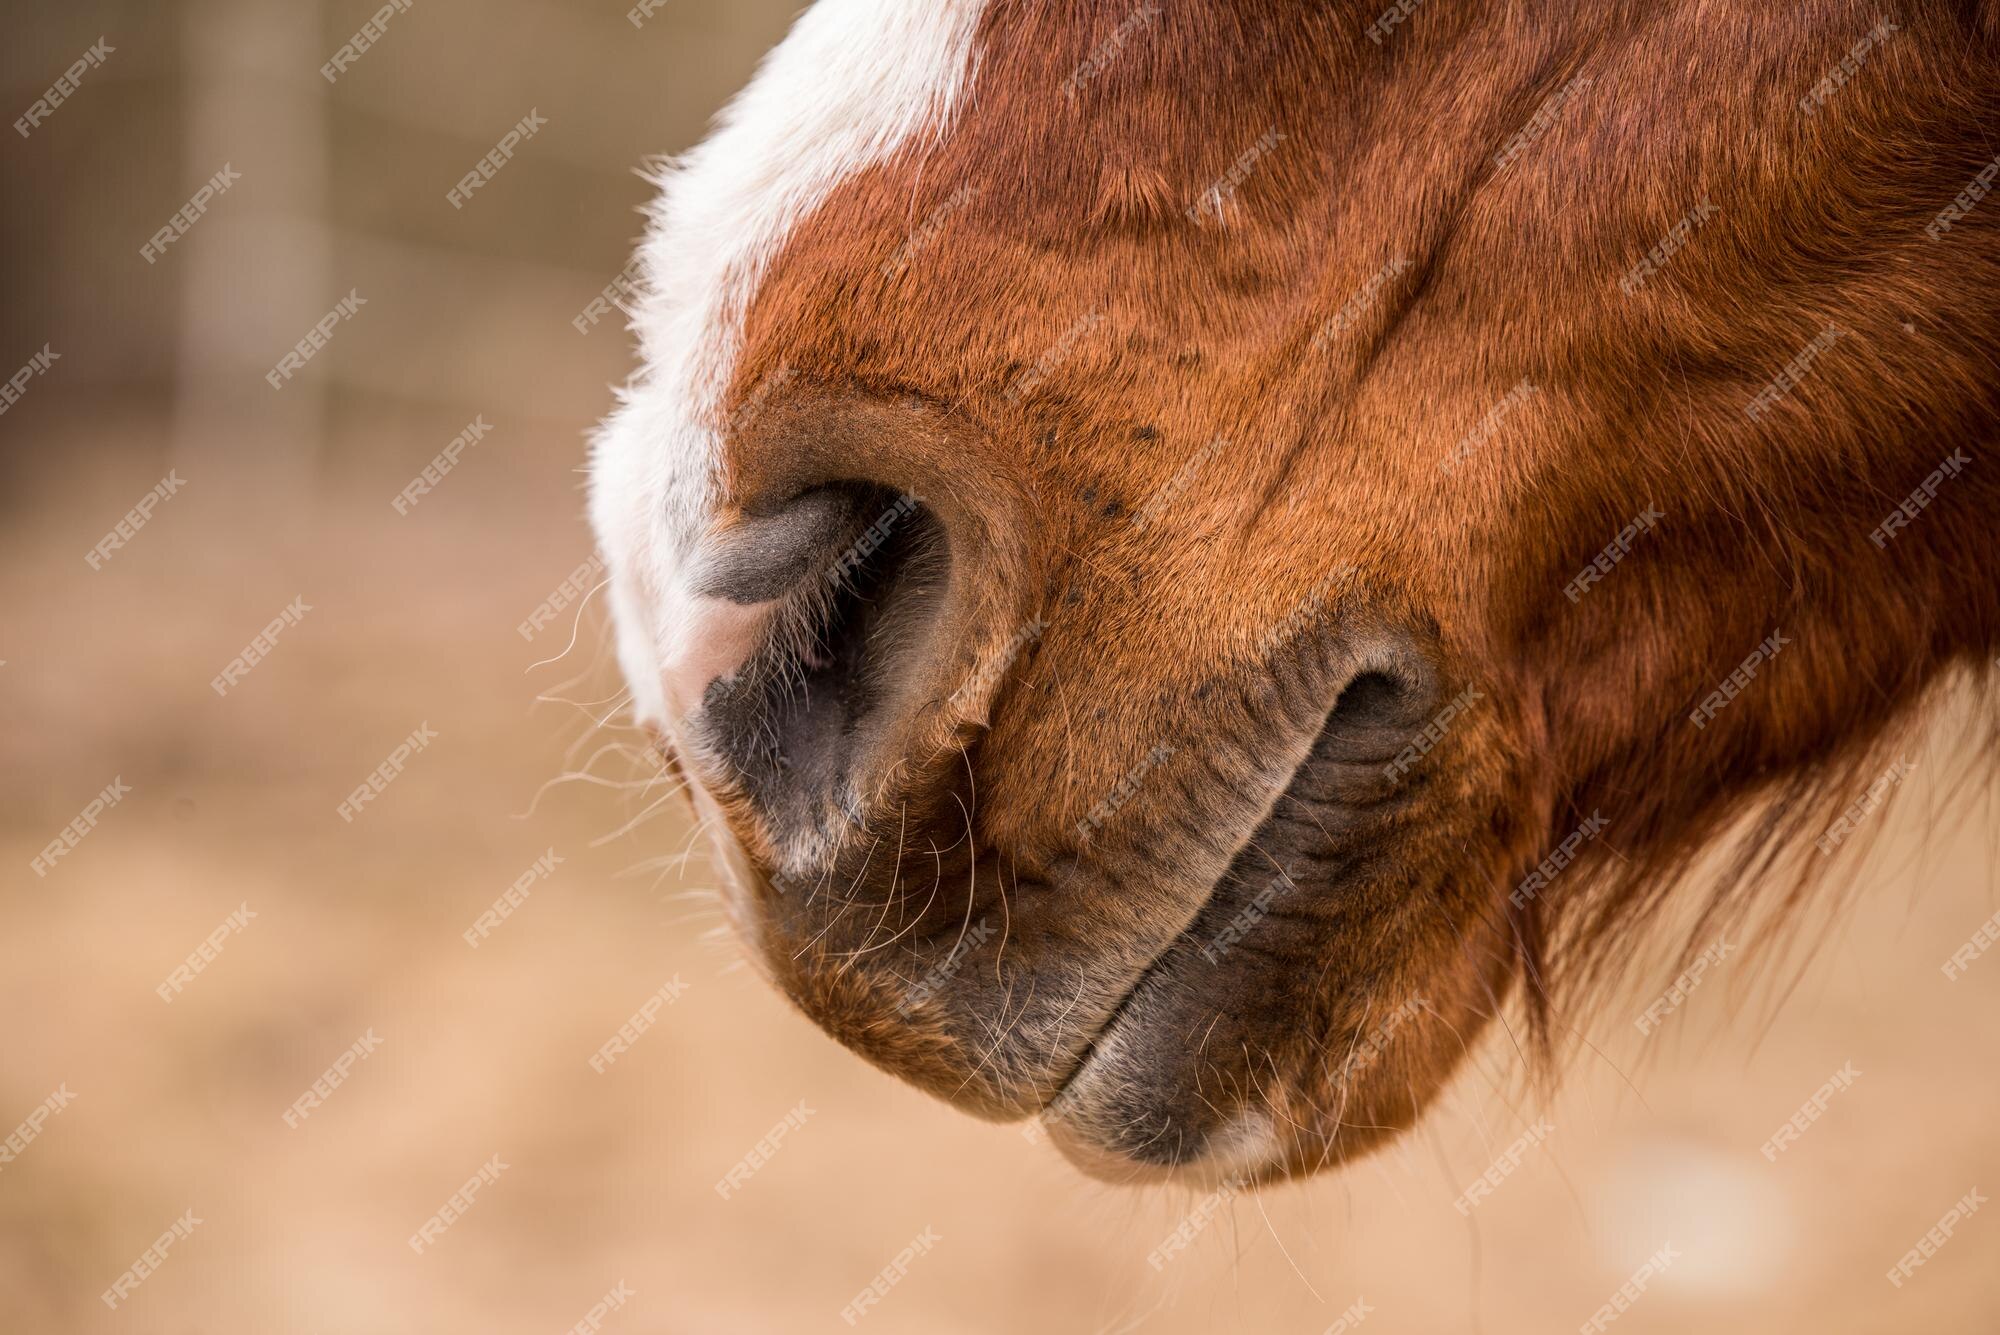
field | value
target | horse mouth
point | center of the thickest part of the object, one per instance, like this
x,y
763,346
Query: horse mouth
x,y
1155,1027
1084,1121
1194,1055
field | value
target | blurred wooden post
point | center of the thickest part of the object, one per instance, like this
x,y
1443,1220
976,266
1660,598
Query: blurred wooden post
x,y
256,271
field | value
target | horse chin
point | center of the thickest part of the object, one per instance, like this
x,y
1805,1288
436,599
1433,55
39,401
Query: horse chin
x,y
1219,1074
1244,1150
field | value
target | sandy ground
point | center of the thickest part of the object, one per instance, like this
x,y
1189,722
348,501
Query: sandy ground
x,y
610,1177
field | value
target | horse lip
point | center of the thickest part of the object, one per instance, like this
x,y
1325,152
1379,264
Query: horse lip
x,y
1091,1045
1186,934
1215,889
1089,1048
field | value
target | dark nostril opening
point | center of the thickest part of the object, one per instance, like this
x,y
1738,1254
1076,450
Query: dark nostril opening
x,y
862,570
1369,717
1370,698
1379,707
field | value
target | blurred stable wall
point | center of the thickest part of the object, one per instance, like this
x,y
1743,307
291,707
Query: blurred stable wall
x,y
343,188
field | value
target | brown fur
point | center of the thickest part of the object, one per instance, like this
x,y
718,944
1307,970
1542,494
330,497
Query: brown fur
x,y
1208,329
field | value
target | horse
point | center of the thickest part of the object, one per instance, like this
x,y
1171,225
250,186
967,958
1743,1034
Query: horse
x,y
1194,556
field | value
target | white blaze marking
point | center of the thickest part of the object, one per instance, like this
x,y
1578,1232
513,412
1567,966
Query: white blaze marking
x,y
853,82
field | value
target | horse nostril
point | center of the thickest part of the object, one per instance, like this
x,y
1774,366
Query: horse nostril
x,y
857,572
771,552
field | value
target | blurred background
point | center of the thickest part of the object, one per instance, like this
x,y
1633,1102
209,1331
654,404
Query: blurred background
x,y
136,1097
